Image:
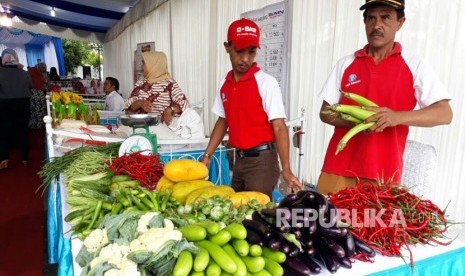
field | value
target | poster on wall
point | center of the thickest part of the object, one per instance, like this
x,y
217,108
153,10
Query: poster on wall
x,y
273,54
141,47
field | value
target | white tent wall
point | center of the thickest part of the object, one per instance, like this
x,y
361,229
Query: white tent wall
x,y
191,33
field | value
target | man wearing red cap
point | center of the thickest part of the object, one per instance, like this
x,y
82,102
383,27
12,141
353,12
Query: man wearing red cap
x,y
250,104
395,81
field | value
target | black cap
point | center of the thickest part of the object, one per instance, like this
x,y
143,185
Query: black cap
x,y
396,4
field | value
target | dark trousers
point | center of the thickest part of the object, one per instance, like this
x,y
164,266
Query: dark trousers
x,y
14,119
258,173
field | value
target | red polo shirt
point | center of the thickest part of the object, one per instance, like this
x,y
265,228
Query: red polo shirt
x,y
389,84
248,107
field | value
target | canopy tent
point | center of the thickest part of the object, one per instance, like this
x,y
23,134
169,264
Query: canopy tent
x,y
85,20
32,46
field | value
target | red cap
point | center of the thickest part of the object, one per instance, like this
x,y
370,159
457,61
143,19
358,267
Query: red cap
x,y
244,33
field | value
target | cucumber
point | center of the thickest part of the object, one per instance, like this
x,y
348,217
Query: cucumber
x,y
274,255
255,250
193,233
184,264
273,267
241,247
120,178
213,269
254,264
241,268
201,260
212,227
222,238
197,273
263,273
219,256
237,231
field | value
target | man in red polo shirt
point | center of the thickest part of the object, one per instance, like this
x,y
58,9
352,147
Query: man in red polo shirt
x,y
395,81
249,103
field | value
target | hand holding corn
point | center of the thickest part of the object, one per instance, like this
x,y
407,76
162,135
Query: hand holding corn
x,y
357,115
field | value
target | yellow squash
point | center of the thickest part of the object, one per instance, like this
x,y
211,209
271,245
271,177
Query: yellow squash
x,y
242,198
207,192
181,190
185,170
164,184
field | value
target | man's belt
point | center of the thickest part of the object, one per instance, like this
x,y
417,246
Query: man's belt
x,y
255,151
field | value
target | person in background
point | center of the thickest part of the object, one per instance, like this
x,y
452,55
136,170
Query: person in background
x,y
14,107
53,75
249,103
38,101
396,82
157,92
92,89
43,70
113,100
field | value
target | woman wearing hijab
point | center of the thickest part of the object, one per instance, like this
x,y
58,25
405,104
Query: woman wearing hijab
x,y
38,102
15,94
157,92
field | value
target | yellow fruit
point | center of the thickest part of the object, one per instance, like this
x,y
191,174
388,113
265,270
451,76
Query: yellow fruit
x,y
181,190
207,192
242,198
164,184
185,170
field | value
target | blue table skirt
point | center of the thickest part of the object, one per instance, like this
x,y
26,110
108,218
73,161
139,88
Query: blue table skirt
x,y
451,263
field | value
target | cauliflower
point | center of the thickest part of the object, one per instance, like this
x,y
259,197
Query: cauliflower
x,y
126,268
96,239
168,224
154,238
143,223
114,254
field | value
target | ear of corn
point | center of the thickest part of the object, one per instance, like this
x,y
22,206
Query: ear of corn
x,y
350,118
358,99
353,110
356,129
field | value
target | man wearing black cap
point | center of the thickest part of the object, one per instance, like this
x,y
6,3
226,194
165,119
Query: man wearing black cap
x,y
384,74
249,104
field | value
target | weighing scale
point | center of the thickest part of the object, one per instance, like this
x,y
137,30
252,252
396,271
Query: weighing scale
x,y
146,143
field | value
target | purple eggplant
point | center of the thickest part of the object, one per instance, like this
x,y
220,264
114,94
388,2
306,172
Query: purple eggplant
x,y
364,248
344,262
328,259
333,231
312,226
262,228
254,237
314,267
274,243
297,232
331,216
277,213
348,243
306,240
333,246
295,267
288,200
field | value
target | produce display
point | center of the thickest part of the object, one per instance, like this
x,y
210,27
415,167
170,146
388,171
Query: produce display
x,y
138,216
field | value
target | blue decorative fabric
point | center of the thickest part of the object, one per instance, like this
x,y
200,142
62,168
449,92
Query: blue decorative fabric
x,y
219,165
449,263
52,227
33,53
57,42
